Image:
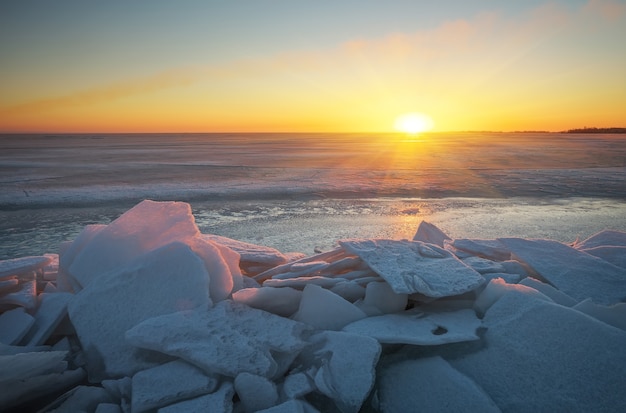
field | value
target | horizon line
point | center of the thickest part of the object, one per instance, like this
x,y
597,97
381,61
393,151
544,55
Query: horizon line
x,y
584,129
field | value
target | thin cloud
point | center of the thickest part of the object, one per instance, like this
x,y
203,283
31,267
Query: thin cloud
x,y
489,35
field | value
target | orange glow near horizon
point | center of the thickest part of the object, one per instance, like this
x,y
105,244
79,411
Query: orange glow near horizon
x,y
549,67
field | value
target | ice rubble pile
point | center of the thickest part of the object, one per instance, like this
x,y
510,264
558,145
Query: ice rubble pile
x,y
148,314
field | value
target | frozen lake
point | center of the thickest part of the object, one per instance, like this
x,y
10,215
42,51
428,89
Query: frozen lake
x,y
300,192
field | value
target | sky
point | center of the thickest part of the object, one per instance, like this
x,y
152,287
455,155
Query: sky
x,y
310,66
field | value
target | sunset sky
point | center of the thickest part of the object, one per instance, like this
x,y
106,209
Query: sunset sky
x,y
310,66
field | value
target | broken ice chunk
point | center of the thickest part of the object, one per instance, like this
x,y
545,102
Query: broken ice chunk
x,y
496,289
280,301
381,296
576,273
325,310
255,392
14,325
228,339
251,254
25,296
483,265
219,401
414,327
345,375
24,265
549,291
433,385
413,266
429,233
168,383
613,254
52,309
602,239
145,227
166,280
614,315
485,248
534,345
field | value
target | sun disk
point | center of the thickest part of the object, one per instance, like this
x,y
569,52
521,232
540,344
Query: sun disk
x,y
413,123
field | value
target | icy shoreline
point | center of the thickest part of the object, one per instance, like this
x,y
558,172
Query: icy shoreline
x,y
150,313
303,225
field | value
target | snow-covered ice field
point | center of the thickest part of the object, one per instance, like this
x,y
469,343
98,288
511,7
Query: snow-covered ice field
x,y
296,192
87,169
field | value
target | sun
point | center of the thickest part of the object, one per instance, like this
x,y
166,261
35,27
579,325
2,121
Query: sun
x,y
413,123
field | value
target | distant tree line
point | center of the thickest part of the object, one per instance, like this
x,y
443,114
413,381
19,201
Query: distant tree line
x,y
597,130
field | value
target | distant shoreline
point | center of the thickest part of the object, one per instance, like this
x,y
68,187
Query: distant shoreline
x,y
99,135
597,130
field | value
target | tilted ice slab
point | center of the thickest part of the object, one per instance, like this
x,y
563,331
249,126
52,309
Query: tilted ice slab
x,y
429,233
169,279
416,267
255,392
280,301
14,325
228,339
145,227
26,376
613,254
347,367
17,266
576,273
250,253
497,288
485,248
433,385
169,383
325,310
51,311
541,356
614,315
25,296
603,239
418,328
218,401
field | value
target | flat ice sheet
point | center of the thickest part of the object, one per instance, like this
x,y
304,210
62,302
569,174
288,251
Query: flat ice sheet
x,y
40,169
549,185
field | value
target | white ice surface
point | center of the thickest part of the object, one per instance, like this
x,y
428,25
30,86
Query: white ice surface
x,y
345,375
218,401
227,339
541,356
432,385
280,301
326,310
413,266
169,279
14,324
144,228
169,383
381,296
496,289
574,272
50,312
430,234
417,328
255,392
23,265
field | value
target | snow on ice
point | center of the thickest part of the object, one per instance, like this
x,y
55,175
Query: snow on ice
x,y
148,314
